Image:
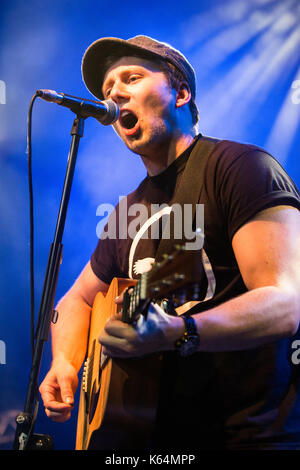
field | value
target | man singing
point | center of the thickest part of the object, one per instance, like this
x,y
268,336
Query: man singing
x,y
233,384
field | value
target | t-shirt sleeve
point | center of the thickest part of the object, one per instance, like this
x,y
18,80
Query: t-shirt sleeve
x,y
104,259
110,257
250,182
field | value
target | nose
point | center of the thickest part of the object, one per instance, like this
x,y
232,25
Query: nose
x,y
118,92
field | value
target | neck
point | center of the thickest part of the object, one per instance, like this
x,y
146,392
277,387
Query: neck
x,y
164,154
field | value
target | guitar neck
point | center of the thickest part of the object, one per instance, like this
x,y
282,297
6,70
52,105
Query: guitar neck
x,y
135,301
179,277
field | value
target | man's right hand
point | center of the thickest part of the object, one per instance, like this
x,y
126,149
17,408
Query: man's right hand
x,y
58,389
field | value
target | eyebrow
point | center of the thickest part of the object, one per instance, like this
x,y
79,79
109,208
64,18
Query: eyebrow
x,y
137,68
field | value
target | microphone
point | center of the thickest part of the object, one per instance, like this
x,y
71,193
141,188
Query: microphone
x,y
106,112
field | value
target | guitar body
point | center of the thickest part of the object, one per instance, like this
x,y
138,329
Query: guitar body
x,y
118,398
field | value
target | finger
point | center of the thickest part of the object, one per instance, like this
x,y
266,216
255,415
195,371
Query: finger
x,y
119,299
58,412
114,346
116,327
58,417
50,396
118,334
66,391
112,341
58,397
58,407
116,316
110,351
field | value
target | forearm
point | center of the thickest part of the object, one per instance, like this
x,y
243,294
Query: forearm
x,y
70,332
255,317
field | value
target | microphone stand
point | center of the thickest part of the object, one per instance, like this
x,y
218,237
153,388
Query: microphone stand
x,y
24,437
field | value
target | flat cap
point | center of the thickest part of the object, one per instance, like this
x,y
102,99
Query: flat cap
x,y
96,55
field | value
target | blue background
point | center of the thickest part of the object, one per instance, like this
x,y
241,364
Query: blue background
x,y
246,55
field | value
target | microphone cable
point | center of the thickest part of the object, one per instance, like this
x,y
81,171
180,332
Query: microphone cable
x,y
23,443
31,223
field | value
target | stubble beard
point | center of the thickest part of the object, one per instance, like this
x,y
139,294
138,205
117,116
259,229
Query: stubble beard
x,y
150,144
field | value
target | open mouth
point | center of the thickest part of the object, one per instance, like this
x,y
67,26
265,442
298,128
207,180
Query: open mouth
x,y
128,119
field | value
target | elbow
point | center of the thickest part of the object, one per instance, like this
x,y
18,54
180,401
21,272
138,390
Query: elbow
x,y
292,326
285,307
292,314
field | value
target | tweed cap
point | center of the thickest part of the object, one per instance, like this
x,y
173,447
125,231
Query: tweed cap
x,y
96,55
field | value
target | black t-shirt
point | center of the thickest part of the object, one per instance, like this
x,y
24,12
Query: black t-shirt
x,y
234,397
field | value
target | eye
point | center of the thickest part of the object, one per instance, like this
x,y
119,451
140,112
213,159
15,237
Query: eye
x,y
107,93
134,77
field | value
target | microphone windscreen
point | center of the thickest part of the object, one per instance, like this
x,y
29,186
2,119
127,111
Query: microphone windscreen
x,y
112,115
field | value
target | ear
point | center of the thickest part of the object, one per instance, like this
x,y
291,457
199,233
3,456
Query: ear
x,y
183,95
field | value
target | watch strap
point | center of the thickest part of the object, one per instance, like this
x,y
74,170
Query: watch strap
x,y
190,325
189,342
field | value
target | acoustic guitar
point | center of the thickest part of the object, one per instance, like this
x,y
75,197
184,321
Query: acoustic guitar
x,y
119,397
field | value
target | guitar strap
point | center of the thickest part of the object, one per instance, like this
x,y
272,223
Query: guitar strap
x,y
188,192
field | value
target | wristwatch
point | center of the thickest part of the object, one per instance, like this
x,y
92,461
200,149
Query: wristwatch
x,y
190,340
